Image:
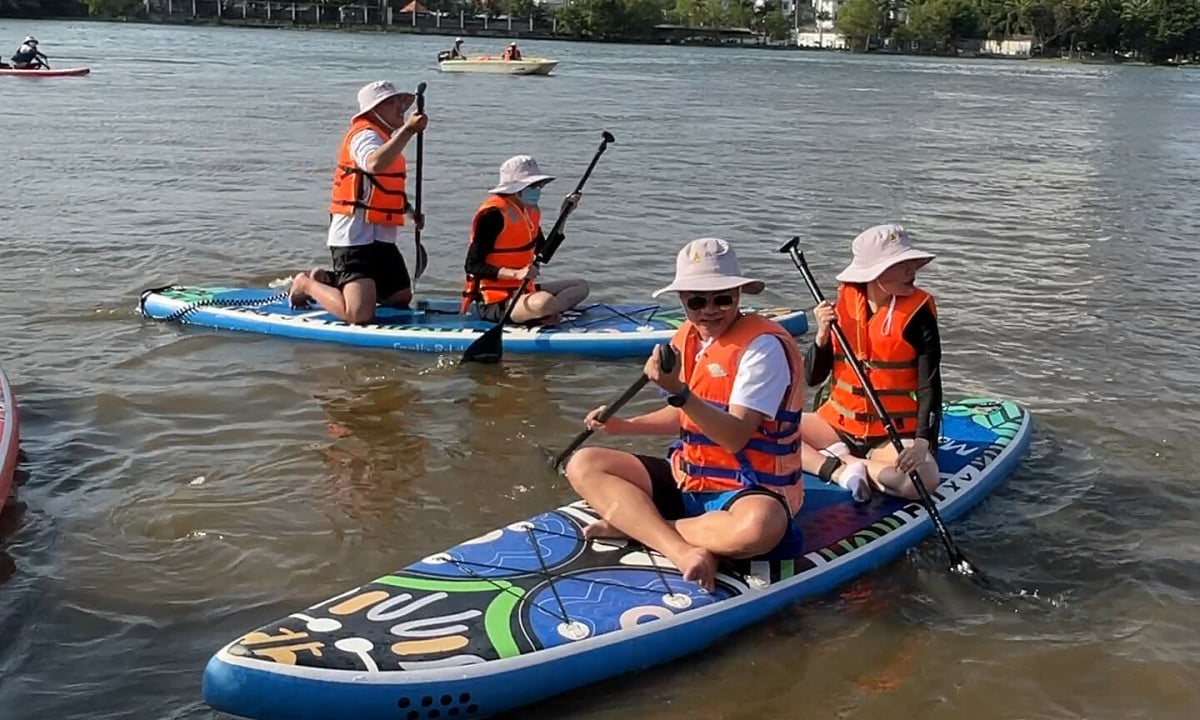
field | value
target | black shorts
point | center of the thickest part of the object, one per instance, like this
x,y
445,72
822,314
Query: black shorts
x,y
861,447
379,261
672,503
492,312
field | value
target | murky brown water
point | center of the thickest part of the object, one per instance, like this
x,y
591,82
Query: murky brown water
x,y
184,486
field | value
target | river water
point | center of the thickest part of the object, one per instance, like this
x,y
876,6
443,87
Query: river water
x,y
185,486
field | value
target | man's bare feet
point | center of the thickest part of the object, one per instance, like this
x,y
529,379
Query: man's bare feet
x,y
602,529
697,565
296,296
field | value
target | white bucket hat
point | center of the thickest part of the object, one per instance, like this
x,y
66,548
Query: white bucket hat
x,y
371,94
708,265
517,173
878,248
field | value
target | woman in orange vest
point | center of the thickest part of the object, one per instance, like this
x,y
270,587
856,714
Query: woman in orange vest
x,y
369,202
892,327
506,235
731,486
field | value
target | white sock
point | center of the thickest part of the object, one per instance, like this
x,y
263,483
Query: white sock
x,y
854,479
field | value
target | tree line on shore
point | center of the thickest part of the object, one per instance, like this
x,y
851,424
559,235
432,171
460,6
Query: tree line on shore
x,y
1150,30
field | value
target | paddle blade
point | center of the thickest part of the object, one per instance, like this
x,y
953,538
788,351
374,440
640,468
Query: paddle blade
x,y
422,261
488,347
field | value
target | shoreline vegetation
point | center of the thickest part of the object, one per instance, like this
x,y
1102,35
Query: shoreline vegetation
x,y
1161,32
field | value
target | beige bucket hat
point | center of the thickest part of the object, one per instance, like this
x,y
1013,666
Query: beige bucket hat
x,y
371,94
517,173
878,248
708,265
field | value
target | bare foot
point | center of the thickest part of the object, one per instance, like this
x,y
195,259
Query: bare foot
x,y
296,295
602,529
322,276
697,565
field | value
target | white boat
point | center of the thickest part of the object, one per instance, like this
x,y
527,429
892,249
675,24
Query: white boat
x,y
496,66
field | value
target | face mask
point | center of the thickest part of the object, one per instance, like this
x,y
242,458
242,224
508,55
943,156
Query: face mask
x,y
531,196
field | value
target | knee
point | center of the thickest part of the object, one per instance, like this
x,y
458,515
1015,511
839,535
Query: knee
x,y
362,315
583,465
756,535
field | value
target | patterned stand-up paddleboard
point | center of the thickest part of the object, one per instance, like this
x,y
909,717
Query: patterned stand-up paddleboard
x,y
433,325
532,609
10,437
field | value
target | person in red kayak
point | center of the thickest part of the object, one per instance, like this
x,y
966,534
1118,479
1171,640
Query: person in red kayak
x,y
28,57
511,52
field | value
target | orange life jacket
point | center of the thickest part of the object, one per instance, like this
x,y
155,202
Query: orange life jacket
x,y
380,195
889,361
771,458
516,248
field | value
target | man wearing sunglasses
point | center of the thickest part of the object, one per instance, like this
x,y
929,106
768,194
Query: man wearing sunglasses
x,y
731,486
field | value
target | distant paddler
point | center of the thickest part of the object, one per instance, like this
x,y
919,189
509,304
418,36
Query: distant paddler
x,y
368,203
29,57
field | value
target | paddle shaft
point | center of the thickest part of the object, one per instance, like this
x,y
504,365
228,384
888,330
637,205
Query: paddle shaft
x,y
957,561
667,359
604,417
420,266
493,334
555,238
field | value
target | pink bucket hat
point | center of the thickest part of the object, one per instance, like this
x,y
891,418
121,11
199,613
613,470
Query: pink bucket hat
x,y
708,265
878,248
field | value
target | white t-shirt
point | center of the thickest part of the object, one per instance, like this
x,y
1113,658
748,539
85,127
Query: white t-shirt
x,y
763,375
346,230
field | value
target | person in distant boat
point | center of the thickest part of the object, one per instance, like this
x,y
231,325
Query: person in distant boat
x,y
892,328
511,52
732,485
28,57
506,235
456,52
368,204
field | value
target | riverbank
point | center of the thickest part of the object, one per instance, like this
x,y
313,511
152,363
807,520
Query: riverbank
x,y
359,19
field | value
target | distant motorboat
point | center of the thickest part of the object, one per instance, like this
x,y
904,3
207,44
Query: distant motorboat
x,y
495,65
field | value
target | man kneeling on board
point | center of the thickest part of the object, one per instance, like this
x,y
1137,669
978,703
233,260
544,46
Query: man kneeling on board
x,y
732,485
506,236
368,204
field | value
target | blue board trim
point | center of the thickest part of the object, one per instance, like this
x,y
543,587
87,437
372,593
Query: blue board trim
x,y
611,331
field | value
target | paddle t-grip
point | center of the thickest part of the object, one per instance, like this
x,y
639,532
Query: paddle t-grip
x,y
667,358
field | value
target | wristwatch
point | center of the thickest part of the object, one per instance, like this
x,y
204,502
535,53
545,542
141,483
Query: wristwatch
x,y
678,399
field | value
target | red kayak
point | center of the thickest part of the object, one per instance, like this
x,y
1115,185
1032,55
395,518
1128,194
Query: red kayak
x,y
9,437
65,72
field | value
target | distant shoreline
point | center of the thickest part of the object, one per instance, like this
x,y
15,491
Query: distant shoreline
x,y
544,34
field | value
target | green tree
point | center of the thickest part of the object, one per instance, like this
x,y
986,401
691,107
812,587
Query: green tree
x,y
858,21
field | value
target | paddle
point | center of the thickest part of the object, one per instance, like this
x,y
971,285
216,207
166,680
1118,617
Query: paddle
x,y
958,562
666,364
489,347
422,256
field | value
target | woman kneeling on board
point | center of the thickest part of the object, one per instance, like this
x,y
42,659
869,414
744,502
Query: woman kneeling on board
x,y
731,486
892,327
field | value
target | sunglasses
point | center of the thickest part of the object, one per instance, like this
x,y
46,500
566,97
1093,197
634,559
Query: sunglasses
x,y
699,302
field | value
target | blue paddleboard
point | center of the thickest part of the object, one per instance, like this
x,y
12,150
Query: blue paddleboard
x,y
432,325
532,609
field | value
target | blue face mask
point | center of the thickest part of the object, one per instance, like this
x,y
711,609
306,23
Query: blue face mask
x,y
531,196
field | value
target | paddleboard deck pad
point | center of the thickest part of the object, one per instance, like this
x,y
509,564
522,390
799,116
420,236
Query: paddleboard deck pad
x,y
532,609
432,325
